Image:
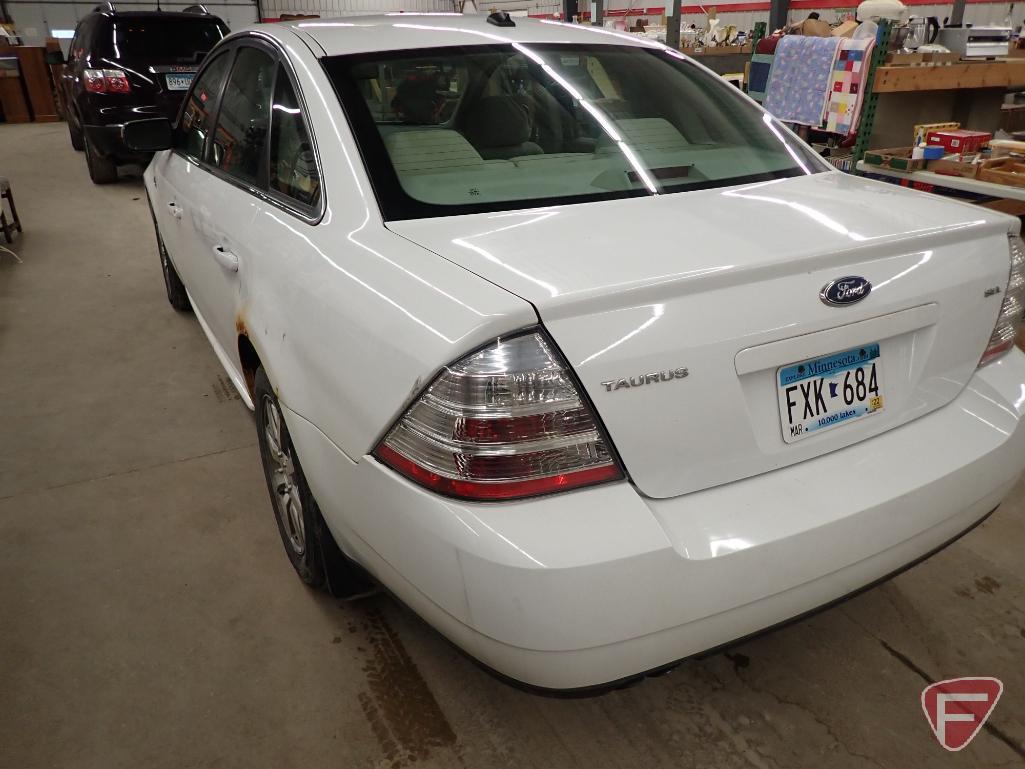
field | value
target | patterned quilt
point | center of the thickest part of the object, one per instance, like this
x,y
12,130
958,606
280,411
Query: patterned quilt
x,y
801,73
846,85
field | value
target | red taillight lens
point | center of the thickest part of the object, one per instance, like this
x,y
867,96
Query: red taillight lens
x,y
106,81
93,81
504,422
117,81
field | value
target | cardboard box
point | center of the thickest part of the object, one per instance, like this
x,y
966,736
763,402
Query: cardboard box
x,y
1009,171
845,28
812,28
897,158
958,141
1004,147
924,128
921,59
953,168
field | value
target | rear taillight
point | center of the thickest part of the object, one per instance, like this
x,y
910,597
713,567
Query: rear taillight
x,y
504,422
106,81
1010,319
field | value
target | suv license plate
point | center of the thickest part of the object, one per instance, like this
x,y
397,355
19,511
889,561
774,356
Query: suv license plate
x,y
178,82
822,393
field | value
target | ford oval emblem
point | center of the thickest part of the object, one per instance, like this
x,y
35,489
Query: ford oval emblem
x,y
848,290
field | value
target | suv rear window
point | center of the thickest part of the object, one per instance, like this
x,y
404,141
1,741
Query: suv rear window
x,y
184,41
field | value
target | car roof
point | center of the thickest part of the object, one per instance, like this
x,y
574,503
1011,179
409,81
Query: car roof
x,y
410,31
116,14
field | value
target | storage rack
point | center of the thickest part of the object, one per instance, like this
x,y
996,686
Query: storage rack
x,y
871,98
899,97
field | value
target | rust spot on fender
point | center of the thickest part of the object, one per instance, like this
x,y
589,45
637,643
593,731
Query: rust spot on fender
x,y
400,708
240,325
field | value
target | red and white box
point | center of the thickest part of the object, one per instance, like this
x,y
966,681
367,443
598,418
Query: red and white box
x,y
958,141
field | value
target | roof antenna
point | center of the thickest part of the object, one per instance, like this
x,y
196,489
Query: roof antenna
x,y
501,19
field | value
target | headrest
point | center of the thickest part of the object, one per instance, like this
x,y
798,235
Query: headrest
x,y
497,121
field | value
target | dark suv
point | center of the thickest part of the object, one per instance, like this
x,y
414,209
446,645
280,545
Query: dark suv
x,y
127,65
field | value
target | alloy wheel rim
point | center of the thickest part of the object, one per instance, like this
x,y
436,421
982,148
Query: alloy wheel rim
x,y
284,479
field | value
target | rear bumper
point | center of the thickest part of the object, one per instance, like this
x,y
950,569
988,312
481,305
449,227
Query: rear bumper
x,y
108,141
588,587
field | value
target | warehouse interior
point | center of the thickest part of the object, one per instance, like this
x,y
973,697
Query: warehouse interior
x,y
149,615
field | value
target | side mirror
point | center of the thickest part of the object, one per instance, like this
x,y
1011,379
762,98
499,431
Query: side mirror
x,y
149,135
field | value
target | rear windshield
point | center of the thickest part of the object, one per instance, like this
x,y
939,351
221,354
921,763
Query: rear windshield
x,y
169,40
493,127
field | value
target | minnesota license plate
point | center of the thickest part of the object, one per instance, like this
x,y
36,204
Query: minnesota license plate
x,y
822,393
179,82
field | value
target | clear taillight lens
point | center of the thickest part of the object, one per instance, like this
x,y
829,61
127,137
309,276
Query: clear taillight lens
x,y
1010,319
504,422
106,81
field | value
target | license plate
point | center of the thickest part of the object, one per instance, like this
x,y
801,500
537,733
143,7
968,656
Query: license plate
x,y
823,393
179,82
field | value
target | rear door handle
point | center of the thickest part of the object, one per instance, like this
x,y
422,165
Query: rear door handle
x,y
176,210
226,259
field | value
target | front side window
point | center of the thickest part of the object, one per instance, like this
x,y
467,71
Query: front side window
x,y
492,127
240,139
198,113
293,165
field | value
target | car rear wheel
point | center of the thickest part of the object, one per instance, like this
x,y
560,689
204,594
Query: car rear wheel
x,y
176,293
77,139
101,170
308,542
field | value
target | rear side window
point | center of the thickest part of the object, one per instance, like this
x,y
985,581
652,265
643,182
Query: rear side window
x,y
240,139
167,40
198,113
293,166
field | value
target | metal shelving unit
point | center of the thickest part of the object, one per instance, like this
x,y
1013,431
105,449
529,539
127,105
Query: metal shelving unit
x,y
871,97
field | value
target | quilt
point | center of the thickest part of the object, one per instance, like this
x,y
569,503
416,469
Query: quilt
x,y
798,89
846,85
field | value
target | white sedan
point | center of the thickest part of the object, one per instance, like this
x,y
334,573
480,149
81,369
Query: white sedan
x,y
572,347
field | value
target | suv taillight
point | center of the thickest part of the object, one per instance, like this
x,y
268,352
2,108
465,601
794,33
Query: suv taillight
x,y
1010,319
504,422
106,81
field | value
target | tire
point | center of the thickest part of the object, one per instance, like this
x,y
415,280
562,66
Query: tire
x,y
176,293
309,544
77,139
101,170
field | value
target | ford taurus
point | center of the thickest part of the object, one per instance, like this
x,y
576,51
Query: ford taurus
x,y
571,346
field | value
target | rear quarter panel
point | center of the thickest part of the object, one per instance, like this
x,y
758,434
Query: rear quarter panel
x,y
350,320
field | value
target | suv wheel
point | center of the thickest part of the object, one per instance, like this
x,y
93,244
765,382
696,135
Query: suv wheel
x,y
77,139
101,170
308,542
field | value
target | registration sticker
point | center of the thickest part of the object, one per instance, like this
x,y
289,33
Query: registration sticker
x,y
823,393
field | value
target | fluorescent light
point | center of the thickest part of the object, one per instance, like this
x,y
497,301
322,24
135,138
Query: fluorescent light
x,y
62,34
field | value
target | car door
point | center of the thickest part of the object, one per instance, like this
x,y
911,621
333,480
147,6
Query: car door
x,y
224,200
178,173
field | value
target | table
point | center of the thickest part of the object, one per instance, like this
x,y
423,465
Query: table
x,y
961,183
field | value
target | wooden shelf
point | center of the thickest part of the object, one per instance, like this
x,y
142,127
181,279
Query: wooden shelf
x,y
1001,73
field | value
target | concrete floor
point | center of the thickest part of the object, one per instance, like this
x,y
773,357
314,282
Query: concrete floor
x,y
149,617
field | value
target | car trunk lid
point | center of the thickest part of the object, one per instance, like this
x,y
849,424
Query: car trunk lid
x,y
725,284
